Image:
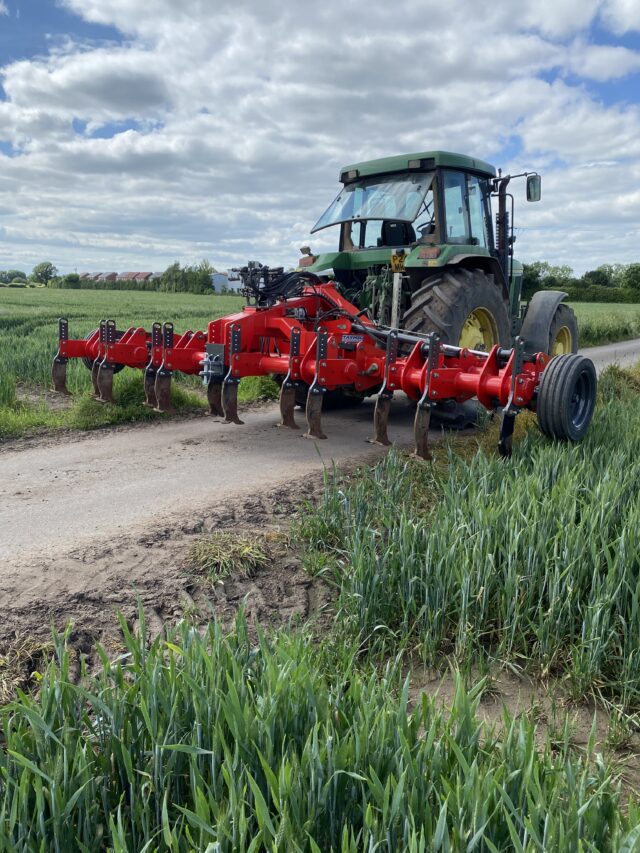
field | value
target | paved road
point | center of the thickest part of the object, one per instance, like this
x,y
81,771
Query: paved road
x,y
626,354
60,493
66,492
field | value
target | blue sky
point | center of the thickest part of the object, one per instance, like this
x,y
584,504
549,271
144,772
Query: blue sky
x,y
34,27
137,132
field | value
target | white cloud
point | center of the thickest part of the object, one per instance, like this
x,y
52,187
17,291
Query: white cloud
x,y
233,122
3,8
622,16
558,17
602,62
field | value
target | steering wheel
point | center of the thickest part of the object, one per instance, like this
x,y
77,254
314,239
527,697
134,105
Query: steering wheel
x,y
432,221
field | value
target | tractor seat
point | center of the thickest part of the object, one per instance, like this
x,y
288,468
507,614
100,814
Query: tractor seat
x,y
396,233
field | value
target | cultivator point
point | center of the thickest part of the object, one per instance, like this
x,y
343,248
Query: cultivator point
x,y
310,337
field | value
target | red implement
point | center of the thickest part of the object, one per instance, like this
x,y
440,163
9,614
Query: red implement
x,y
318,340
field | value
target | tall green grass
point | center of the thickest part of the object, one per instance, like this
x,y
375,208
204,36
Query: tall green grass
x,y
216,743
601,323
29,325
536,561
28,343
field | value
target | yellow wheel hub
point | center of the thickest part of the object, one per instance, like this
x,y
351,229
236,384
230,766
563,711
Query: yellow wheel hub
x,y
479,331
563,342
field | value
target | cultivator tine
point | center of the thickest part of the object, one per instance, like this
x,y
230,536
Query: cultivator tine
x,y
214,396
505,443
287,406
288,389
105,383
385,395
423,409
381,420
150,398
316,391
59,375
59,366
104,374
150,371
421,432
95,367
230,401
162,389
231,382
314,413
162,385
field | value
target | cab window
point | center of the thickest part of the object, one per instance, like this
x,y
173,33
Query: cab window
x,y
477,219
464,209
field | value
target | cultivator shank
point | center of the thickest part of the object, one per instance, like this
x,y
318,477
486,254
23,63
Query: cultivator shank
x,y
314,338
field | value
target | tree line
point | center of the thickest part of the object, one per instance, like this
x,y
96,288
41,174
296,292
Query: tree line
x,y
195,278
606,283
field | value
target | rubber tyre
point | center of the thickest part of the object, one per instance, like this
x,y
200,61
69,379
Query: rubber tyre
x,y
563,317
88,362
567,397
444,302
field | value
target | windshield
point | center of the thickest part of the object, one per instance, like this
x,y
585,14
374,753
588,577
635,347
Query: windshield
x,y
395,197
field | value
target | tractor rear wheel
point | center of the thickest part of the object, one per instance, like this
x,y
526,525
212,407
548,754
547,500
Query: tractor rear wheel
x,y
563,332
465,307
567,397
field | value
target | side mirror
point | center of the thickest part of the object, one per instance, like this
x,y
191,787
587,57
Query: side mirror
x,y
534,187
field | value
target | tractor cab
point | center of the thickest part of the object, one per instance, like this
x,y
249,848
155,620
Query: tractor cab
x,y
430,214
411,208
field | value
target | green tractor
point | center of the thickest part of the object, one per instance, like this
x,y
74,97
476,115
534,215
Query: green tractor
x,y
418,252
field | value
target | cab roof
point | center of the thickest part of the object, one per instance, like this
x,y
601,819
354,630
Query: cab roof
x,y
420,161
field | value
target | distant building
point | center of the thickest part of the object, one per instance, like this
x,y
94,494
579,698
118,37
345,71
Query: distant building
x,y
108,276
143,276
225,281
85,276
219,282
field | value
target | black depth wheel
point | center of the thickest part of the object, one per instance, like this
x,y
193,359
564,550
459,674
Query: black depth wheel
x,y
567,397
332,400
88,362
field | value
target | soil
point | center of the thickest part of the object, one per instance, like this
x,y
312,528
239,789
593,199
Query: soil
x,y
89,585
43,397
94,524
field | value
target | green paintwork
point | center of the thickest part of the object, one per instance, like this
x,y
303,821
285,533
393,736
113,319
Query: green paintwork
x,y
362,259
400,163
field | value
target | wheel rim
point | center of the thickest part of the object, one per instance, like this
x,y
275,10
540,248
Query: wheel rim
x,y
563,343
479,331
582,400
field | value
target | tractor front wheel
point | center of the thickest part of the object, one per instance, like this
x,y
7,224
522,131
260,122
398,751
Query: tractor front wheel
x,y
563,332
466,308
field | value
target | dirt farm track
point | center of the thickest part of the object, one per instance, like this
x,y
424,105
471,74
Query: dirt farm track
x,y
90,522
